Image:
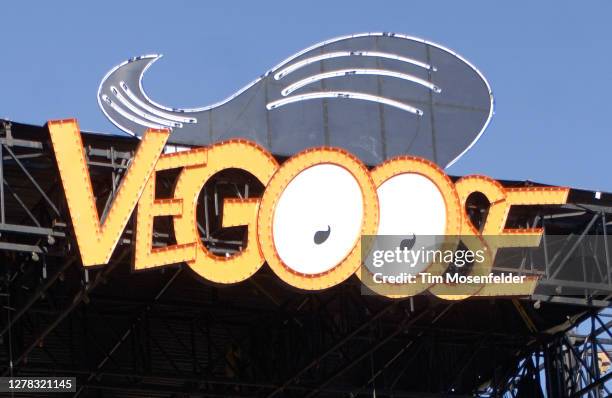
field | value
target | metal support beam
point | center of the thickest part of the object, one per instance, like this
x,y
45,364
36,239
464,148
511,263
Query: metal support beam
x,y
592,386
333,348
38,293
78,298
33,181
128,331
401,327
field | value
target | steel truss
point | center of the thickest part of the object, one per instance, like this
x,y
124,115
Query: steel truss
x,y
165,333
570,364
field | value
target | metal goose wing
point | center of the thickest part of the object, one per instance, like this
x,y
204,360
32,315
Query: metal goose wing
x,y
378,95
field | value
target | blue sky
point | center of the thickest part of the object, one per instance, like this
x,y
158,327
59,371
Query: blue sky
x,y
548,64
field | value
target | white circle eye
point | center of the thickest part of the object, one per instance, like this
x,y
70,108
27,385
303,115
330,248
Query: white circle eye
x,y
411,204
318,219
413,209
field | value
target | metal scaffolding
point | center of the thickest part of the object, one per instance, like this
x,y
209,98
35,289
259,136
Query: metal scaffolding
x,y
166,333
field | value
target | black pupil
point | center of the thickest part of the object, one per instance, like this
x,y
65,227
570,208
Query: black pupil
x,y
321,236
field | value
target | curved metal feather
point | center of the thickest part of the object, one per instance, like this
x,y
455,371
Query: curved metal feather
x,y
377,95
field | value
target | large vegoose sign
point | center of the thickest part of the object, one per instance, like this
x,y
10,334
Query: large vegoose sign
x,y
364,159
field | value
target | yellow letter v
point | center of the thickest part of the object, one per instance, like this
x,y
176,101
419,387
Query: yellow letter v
x,y
97,242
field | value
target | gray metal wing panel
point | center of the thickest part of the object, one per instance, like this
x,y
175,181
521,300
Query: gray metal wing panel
x,y
377,95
